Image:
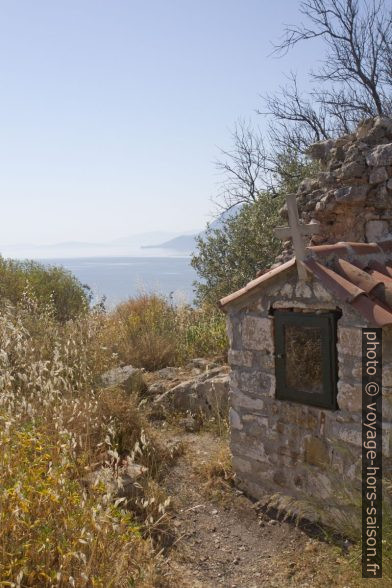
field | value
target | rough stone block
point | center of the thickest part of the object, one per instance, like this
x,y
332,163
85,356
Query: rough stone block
x,y
235,420
253,382
356,371
378,175
299,415
351,193
267,361
321,293
376,230
380,155
253,449
321,149
302,290
316,452
128,378
241,465
349,396
350,341
240,402
240,358
349,435
354,169
255,426
284,304
287,290
257,333
386,407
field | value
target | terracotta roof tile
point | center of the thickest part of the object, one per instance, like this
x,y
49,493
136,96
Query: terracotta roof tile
x,y
335,283
337,249
384,269
380,276
376,313
364,248
357,276
357,273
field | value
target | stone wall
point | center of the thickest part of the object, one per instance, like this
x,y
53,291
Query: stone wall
x,y
288,448
351,197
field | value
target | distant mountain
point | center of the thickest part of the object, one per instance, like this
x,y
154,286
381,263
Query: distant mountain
x,y
187,243
145,238
123,246
171,243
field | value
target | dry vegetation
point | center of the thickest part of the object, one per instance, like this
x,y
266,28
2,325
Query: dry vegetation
x,y
57,426
149,332
217,474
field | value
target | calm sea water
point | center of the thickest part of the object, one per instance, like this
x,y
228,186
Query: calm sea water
x,y
118,278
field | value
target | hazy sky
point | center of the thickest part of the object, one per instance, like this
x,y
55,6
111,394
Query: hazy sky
x,y
111,111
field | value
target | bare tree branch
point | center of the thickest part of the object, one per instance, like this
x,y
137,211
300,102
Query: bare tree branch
x,y
354,82
355,79
245,169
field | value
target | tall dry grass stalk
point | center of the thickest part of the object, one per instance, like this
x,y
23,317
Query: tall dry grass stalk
x,y
54,427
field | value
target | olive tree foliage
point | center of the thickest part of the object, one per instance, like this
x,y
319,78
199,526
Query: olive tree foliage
x,y
353,81
229,256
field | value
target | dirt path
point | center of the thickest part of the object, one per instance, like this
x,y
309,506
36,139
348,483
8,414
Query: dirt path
x,y
225,542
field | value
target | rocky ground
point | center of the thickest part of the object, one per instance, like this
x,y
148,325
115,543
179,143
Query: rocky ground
x,y
222,539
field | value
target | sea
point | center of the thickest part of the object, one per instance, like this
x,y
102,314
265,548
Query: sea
x,y
119,278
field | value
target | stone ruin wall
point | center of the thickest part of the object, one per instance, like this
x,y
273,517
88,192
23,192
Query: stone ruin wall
x,y
351,196
280,447
288,449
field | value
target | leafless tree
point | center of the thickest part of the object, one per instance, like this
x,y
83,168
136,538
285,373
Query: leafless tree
x,y
354,81
245,168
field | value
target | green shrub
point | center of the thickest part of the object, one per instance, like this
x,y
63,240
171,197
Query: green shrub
x,y
228,257
204,332
53,286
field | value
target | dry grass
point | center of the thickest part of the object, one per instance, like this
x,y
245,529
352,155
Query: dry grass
x,y
56,426
51,532
149,332
217,474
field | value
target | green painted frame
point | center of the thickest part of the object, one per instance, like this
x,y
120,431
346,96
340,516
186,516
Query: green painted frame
x,y
327,322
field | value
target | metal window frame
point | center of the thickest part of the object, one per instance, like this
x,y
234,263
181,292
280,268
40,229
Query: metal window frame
x,y
327,322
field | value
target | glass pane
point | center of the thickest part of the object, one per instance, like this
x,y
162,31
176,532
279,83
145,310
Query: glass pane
x,y
303,353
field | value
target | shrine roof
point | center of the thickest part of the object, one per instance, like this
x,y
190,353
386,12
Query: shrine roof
x,y
356,273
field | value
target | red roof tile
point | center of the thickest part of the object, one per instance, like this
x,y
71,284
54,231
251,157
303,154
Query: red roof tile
x,y
385,269
339,286
358,276
364,248
373,311
356,273
380,276
336,249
